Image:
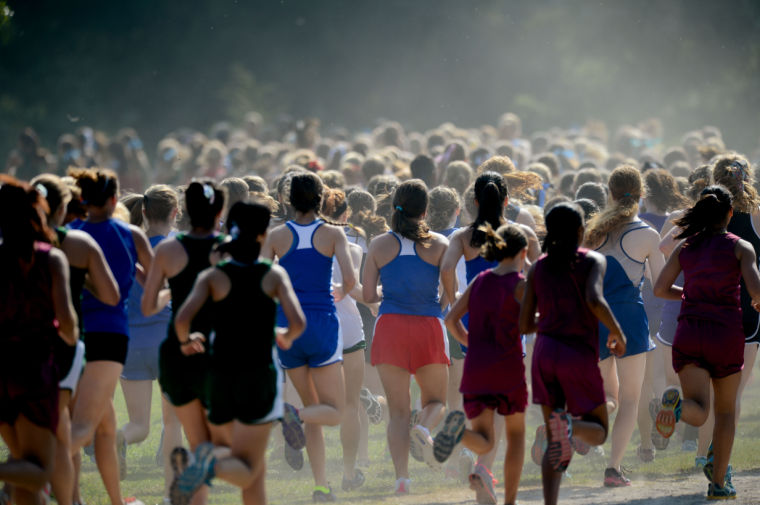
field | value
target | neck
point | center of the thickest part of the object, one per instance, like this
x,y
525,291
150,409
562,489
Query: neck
x,y
509,265
98,214
305,217
200,232
653,208
158,229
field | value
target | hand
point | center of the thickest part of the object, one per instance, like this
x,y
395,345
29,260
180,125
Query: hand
x,y
194,345
374,308
338,293
616,344
282,341
756,305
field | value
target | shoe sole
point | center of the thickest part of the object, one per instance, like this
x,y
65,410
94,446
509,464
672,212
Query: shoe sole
x,y
358,481
616,483
666,427
449,436
559,451
294,457
372,406
292,429
483,494
425,446
539,445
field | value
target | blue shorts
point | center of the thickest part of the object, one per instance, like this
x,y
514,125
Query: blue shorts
x,y
633,320
320,344
141,364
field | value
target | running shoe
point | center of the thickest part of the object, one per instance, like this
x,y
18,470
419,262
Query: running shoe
x,y
355,483
133,501
700,462
709,462
645,455
465,464
402,486
716,492
372,406
659,442
689,446
539,445
323,494
197,474
449,436
179,459
481,481
121,453
614,478
294,457
291,427
420,437
671,403
560,450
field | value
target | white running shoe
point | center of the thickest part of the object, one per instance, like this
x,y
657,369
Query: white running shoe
x,y
423,442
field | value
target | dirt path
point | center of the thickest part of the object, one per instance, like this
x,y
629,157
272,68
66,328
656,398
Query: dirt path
x,y
678,491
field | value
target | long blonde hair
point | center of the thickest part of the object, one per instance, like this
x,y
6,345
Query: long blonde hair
x,y
625,187
733,171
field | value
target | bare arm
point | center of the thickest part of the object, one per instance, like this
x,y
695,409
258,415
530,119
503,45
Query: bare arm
x,y
283,291
528,306
748,263
192,344
155,281
343,256
669,241
534,247
453,319
371,276
598,305
68,327
664,287
449,267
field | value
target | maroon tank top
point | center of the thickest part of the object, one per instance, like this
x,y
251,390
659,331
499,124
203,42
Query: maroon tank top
x,y
561,303
494,360
711,279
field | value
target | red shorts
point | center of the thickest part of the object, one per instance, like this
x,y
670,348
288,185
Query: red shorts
x,y
710,345
409,342
506,405
565,375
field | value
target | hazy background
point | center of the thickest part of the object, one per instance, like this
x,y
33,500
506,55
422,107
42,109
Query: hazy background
x,y
160,64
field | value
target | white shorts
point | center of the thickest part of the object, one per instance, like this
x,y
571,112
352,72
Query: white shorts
x,y
72,379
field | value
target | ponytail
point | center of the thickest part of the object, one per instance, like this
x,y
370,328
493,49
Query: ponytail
x,y
490,193
561,241
708,214
503,243
362,217
443,204
23,219
53,190
246,222
410,201
98,185
625,188
204,202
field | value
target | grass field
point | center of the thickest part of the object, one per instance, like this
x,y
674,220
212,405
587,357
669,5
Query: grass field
x,y
672,472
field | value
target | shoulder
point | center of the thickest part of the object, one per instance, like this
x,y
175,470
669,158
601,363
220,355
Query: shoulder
x,y
57,260
594,258
79,238
438,239
464,234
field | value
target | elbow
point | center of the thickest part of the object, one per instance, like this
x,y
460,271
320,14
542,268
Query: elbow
x,y
349,284
658,291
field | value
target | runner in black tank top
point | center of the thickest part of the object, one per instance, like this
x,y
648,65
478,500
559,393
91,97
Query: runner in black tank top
x,y
741,225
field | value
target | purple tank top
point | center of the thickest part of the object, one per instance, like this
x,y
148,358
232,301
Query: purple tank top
x,y
561,297
494,362
711,279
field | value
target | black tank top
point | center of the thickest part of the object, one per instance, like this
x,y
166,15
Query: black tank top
x,y
244,320
198,251
741,225
65,353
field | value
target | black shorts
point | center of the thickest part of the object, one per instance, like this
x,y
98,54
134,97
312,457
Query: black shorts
x,y
253,396
104,346
182,378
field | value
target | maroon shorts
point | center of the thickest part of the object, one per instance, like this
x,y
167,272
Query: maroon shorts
x,y
31,391
563,375
409,342
506,405
710,345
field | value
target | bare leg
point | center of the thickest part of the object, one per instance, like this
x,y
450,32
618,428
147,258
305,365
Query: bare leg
x,y
433,380
550,478
137,395
172,439
695,401
453,396
94,395
105,455
513,460
350,427
62,482
488,458
726,391
631,375
32,459
192,417
647,394
480,438
396,383
750,355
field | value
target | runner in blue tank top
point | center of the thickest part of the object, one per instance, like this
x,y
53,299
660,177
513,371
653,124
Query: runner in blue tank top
x,y
409,334
157,209
628,244
305,248
106,327
85,259
491,195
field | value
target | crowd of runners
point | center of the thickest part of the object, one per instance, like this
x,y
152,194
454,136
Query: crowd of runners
x,y
293,277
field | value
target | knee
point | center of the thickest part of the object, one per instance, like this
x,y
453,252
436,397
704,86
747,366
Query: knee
x,y
140,433
105,430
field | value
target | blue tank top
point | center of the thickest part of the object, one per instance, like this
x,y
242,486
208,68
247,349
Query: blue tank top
x,y
476,265
138,338
310,271
115,238
410,284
